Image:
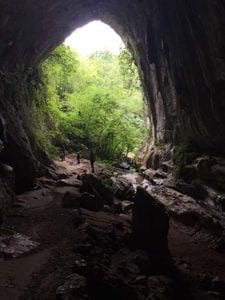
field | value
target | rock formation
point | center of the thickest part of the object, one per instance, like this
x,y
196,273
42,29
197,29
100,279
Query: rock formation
x,y
178,46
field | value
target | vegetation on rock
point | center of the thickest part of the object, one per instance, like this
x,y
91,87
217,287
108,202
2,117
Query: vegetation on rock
x,y
183,155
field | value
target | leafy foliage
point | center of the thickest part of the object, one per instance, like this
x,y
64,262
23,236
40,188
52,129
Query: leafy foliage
x,y
183,155
90,103
128,70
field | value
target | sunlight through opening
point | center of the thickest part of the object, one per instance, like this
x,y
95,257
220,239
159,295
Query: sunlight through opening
x,y
94,36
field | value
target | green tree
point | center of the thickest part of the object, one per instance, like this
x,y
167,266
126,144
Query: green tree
x,y
90,103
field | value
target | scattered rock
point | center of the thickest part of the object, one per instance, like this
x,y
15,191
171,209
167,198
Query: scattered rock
x,y
117,206
161,288
15,244
151,174
167,166
75,287
126,217
126,206
218,285
105,174
107,208
125,165
80,266
69,182
46,181
51,173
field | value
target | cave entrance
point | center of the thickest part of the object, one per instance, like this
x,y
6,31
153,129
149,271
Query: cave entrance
x,y
94,36
94,96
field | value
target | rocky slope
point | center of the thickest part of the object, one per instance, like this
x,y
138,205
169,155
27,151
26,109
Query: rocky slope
x,y
79,249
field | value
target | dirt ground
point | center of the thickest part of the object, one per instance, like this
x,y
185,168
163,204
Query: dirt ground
x,y
39,214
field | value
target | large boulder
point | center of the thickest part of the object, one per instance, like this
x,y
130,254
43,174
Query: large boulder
x,y
91,202
71,199
123,188
194,190
74,199
96,186
150,225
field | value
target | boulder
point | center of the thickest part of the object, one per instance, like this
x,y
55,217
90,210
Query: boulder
x,y
125,165
150,225
156,177
94,185
46,182
105,174
69,182
14,244
75,287
194,190
72,199
161,288
122,187
151,174
91,202
126,206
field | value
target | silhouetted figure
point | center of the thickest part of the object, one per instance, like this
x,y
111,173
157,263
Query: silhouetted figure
x,y
78,157
92,160
62,154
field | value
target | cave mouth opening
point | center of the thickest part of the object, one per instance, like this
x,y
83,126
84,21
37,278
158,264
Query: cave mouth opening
x,y
94,36
95,98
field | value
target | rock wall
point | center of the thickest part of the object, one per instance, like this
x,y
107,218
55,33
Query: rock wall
x,y
179,47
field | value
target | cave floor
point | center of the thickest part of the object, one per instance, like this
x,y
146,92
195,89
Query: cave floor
x,y
39,214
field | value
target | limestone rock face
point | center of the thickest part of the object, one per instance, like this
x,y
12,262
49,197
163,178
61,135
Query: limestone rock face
x,y
179,48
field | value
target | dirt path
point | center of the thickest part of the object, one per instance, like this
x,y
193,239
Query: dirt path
x,y
41,216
